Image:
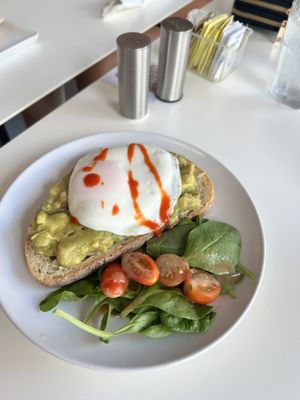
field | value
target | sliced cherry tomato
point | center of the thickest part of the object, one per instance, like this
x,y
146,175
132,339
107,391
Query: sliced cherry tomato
x,y
140,268
201,287
114,282
172,269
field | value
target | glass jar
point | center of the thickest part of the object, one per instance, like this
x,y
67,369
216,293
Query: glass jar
x,y
285,87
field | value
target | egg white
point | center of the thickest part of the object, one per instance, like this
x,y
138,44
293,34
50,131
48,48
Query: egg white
x,y
93,206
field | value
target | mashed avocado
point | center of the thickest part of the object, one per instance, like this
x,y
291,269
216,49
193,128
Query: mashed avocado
x,y
72,249
54,235
58,198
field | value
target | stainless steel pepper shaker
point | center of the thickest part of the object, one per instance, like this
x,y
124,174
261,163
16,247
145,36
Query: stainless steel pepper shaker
x,y
175,38
133,55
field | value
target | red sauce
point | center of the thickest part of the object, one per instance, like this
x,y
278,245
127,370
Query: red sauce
x,y
91,180
115,210
133,187
102,204
74,220
102,155
130,152
99,157
87,169
165,202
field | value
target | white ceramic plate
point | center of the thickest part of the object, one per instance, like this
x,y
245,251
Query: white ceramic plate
x,y
14,38
20,294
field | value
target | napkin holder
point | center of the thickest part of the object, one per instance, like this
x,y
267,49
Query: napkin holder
x,y
206,64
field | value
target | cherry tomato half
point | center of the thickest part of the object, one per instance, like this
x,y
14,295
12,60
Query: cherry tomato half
x,y
201,287
114,282
172,269
140,268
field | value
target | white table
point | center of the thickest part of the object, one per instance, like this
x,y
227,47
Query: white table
x,y
72,37
259,141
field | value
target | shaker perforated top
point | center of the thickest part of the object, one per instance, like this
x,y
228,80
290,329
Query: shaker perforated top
x,y
133,41
177,24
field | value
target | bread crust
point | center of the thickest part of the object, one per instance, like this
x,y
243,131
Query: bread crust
x,y
49,272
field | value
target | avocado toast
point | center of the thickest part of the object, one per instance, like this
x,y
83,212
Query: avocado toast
x,y
59,250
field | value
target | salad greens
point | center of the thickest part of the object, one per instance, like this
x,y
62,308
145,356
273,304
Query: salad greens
x,y
79,291
170,300
172,241
213,246
158,311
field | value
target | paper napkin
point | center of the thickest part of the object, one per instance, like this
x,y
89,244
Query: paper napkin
x,y
114,6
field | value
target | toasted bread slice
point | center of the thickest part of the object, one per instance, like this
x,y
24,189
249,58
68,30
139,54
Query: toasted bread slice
x,y
49,272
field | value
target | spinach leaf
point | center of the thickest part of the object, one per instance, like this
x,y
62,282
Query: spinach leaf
x,y
85,327
135,325
177,305
98,303
157,331
213,246
107,306
106,317
77,291
228,282
171,301
186,221
241,268
184,325
200,220
133,289
83,289
138,323
139,300
105,320
172,241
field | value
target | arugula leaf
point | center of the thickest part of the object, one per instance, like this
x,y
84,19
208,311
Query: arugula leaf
x,y
213,246
184,325
172,241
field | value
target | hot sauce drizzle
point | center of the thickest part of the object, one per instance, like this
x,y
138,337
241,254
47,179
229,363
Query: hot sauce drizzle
x,y
115,210
87,169
74,220
102,155
133,187
99,157
91,180
130,152
165,202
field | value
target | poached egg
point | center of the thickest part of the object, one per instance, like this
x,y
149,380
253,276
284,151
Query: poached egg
x,y
126,190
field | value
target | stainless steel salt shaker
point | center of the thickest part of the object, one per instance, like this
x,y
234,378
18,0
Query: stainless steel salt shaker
x,y
175,38
133,55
